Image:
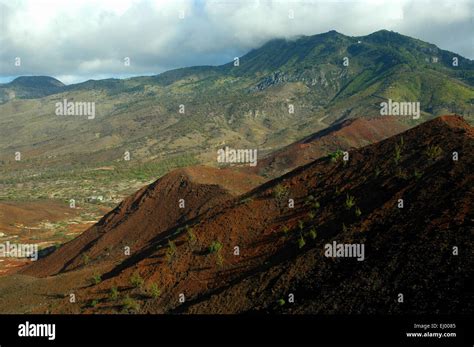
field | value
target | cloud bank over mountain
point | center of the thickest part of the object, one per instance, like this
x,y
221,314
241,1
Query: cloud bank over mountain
x,y
78,40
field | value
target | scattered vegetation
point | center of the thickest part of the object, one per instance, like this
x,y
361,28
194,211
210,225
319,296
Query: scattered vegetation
x,y
96,278
301,242
136,280
94,303
281,194
130,305
285,229
280,191
433,152
215,247
281,302
313,234
398,151
336,155
114,293
155,292
350,201
219,259
397,154
191,236
85,259
171,251
358,212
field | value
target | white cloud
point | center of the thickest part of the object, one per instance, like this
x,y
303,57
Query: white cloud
x,y
85,38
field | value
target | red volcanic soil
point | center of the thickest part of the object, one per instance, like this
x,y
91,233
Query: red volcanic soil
x,y
250,253
152,210
26,222
30,213
351,133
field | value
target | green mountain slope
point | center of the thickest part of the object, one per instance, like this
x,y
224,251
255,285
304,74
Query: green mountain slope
x,y
244,106
29,87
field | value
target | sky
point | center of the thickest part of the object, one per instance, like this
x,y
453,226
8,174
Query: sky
x,y
77,40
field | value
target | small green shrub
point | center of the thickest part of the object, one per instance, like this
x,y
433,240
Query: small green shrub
x,y
219,259
171,251
358,212
433,152
301,242
398,151
397,154
191,236
155,292
336,155
215,247
114,293
96,279
279,191
313,234
280,194
130,305
350,201
136,280
281,302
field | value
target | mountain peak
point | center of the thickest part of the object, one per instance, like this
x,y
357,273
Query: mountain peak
x,y
452,121
36,82
333,32
30,87
383,36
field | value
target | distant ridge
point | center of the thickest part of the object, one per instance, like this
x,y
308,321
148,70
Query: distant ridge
x,y
349,134
30,87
